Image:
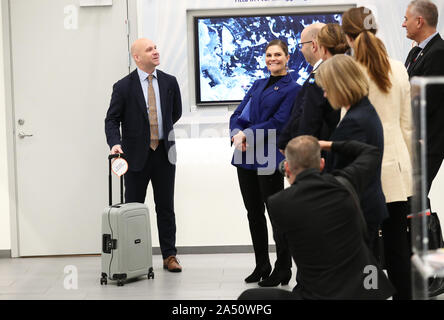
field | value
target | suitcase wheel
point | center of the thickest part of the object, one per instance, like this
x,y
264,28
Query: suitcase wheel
x,y
120,283
150,273
103,281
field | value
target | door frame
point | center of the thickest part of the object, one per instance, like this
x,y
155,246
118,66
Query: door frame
x,y
11,155
10,133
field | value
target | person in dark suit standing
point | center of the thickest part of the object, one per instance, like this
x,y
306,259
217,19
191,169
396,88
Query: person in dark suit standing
x,y
426,59
254,127
345,85
323,225
145,105
311,113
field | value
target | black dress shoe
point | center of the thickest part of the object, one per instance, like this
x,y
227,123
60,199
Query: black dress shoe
x,y
276,278
260,272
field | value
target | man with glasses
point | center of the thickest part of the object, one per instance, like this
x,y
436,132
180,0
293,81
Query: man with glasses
x,y
311,96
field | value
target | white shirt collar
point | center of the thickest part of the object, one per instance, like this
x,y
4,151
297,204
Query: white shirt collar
x,y
143,75
317,64
423,44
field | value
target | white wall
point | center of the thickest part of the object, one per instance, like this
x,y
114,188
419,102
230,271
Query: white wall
x,y
5,242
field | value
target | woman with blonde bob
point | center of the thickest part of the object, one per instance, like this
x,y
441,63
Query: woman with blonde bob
x,y
345,86
389,92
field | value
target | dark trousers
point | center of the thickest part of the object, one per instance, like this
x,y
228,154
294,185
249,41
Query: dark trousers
x,y
397,250
255,191
162,174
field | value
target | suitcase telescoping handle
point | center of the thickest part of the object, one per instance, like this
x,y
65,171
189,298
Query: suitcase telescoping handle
x,y
110,182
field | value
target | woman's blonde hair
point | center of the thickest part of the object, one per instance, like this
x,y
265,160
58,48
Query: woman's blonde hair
x,y
333,39
342,80
369,49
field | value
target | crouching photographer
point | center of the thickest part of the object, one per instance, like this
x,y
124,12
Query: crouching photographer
x,y
320,218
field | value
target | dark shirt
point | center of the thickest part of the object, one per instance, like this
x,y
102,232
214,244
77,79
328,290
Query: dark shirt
x,y
273,80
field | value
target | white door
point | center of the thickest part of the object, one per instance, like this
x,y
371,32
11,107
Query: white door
x,y
65,60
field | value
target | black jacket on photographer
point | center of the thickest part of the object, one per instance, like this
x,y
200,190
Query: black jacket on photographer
x,y
325,231
311,114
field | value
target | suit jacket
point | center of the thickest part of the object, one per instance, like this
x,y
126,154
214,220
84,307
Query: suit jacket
x,y
311,115
431,63
362,123
269,110
394,110
320,222
128,109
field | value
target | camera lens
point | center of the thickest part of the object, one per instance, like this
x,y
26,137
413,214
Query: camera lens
x,y
282,167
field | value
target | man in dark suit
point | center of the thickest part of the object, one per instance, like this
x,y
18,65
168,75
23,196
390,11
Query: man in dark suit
x,y
146,104
323,225
426,59
311,113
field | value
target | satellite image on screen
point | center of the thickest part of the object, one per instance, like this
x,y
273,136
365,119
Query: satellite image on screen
x,y
231,51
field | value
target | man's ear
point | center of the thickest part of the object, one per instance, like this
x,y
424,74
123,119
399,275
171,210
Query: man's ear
x,y
322,164
287,169
315,47
420,23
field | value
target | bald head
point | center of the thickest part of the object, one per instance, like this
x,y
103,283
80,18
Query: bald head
x,y
145,54
312,30
311,50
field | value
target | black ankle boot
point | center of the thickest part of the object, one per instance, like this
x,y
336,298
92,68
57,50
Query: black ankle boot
x,y
260,272
276,278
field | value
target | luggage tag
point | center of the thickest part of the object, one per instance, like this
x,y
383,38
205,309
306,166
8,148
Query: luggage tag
x,y
119,166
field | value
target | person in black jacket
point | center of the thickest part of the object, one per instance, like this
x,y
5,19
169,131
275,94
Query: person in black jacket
x,y
311,113
323,224
425,60
145,105
346,86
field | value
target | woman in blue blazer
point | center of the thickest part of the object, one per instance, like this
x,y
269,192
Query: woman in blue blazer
x,y
346,86
255,126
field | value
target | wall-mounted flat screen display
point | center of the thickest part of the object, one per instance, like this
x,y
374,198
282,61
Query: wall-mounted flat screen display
x,y
230,51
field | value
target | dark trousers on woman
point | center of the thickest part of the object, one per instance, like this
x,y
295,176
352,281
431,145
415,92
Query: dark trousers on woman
x,y
397,249
255,191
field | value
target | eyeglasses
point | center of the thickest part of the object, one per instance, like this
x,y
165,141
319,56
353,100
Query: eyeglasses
x,y
300,45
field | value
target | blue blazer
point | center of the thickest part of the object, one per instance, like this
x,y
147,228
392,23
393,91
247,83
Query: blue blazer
x,y
362,123
269,111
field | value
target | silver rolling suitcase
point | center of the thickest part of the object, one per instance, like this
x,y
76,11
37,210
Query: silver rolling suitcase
x,y
126,239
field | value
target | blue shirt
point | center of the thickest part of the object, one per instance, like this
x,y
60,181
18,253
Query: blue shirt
x,y
423,44
143,76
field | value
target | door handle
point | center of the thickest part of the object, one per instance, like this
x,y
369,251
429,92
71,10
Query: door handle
x,y
22,135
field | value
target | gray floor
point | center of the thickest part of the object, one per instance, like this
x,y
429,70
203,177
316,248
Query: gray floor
x,y
204,277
